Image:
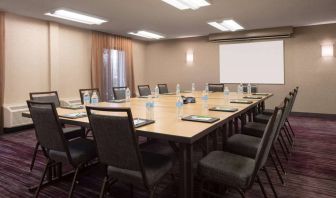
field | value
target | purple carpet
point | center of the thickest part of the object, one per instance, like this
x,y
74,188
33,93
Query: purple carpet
x,y
311,170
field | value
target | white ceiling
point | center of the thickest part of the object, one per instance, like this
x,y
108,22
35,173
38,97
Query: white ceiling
x,y
154,15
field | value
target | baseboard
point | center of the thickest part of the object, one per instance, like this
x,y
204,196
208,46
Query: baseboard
x,y
19,128
314,115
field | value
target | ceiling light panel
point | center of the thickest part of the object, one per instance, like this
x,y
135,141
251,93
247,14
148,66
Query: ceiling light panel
x,y
218,26
146,34
76,16
187,4
232,25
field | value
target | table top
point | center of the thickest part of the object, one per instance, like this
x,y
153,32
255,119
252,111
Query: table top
x,y
167,125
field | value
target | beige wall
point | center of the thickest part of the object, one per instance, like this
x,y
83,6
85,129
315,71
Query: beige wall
x,y
139,62
304,67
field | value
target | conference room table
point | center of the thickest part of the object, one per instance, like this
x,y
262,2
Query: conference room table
x,y
182,135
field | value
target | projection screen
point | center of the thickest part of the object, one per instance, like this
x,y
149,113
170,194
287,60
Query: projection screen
x,y
255,62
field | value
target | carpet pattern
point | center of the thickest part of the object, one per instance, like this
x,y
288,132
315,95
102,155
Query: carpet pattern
x,y
311,169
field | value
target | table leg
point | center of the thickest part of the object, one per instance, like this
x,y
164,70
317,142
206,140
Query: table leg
x,y
186,171
224,135
230,128
236,125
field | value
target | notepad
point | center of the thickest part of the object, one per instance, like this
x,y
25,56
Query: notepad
x,y
139,122
74,107
252,97
241,101
74,115
118,101
260,94
200,118
170,93
223,109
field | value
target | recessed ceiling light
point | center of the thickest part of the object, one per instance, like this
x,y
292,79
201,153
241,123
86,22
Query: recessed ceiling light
x,y
226,25
232,25
146,34
75,16
187,4
218,26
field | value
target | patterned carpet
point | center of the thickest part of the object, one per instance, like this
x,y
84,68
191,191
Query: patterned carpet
x,y
311,168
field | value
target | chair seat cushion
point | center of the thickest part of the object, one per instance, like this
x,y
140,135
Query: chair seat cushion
x,y
155,166
262,118
227,168
255,129
73,132
244,145
268,111
81,150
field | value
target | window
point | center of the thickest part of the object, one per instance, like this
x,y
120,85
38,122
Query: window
x,y
113,71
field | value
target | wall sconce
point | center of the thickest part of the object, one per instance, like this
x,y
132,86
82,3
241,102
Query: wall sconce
x,y
190,57
327,50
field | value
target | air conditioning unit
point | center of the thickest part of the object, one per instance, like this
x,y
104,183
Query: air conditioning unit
x,y
13,115
70,101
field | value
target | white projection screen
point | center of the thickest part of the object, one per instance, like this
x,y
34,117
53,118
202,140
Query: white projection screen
x,y
255,62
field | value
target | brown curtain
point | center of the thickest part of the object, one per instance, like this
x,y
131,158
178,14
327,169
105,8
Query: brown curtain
x,y
101,41
2,67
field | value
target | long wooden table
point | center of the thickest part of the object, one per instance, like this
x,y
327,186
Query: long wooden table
x,y
181,133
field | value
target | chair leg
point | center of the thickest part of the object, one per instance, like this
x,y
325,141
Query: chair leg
x,y
289,137
200,193
103,189
242,194
277,169
270,182
279,161
42,179
34,156
74,180
283,149
132,190
284,143
152,192
261,186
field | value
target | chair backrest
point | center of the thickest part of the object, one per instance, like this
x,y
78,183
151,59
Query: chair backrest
x,y
119,93
163,88
47,126
254,88
267,141
90,91
144,90
47,96
115,138
285,108
219,87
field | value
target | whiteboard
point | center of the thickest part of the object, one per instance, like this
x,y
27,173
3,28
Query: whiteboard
x,y
255,62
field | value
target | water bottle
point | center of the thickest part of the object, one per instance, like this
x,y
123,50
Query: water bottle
x,y
179,107
249,88
94,98
206,88
239,88
178,90
205,99
128,95
226,94
193,87
150,108
86,98
156,91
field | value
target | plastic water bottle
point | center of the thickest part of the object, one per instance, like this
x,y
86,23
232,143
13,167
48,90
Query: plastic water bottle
x,y
94,98
128,95
193,87
249,88
179,107
226,94
240,88
156,91
178,90
206,88
86,98
205,99
150,108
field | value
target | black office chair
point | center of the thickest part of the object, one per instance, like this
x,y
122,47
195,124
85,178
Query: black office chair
x,y
236,171
90,91
144,90
254,88
247,145
118,150
119,93
163,88
55,147
219,87
69,132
